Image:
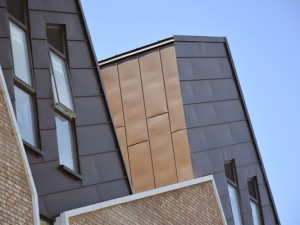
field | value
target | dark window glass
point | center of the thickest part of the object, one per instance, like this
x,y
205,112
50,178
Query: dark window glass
x,y
55,37
16,8
252,188
229,171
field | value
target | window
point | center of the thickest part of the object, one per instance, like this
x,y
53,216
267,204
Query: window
x,y
66,145
60,82
233,192
25,116
254,201
63,99
20,53
23,89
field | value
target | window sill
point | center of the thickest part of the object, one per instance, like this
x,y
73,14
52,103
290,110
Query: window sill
x,y
32,148
70,172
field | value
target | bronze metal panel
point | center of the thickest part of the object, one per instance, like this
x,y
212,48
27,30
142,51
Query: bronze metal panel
x,y
174,99
162,150
133,102
112,85
182,155
141,167
153,84
122,138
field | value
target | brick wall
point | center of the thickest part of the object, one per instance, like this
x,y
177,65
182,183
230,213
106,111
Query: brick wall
x,y
196,204
15,192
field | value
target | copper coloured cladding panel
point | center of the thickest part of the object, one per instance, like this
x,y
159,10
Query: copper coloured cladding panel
x,y
133,102
141,167
171,77
111,82
153,84
162,150
182,155
122,139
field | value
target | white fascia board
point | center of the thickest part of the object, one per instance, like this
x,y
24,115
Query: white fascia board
x,y
15,127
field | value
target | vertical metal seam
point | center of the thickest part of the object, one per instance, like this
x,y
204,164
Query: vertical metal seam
x,y
130,178
138,59
163,75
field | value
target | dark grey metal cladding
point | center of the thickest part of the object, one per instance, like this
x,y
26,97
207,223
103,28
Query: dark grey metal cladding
x,y
86,195
217,122
103,175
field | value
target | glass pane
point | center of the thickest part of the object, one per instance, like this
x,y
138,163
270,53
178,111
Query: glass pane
x,y
65,139
235,206
25,116
61,81
20,53
255,213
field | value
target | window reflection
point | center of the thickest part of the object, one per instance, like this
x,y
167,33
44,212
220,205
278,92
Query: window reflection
x,y
61,81
20,53
25,116
65,139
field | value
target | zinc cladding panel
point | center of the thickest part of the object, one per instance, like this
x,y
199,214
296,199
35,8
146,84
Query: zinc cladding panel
x,y
95,139
82,197
85,82
5,59
182,155
200,49
216,136
153,83
51,179
99,168
204,68
43,83
54,5
213,113
172,85
111,81
162,150
121,132
208,90
86,108
4,29
141,170
133,102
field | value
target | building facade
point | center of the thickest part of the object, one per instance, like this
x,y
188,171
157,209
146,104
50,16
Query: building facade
x,y
176,124
186,90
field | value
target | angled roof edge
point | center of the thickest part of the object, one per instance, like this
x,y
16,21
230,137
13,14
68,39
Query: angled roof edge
x,y
185,38
136,50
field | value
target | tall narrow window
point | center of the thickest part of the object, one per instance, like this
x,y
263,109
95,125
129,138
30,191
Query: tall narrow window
x,y
61,84
66,145
63,99
23,89
233,192
20,53
254,201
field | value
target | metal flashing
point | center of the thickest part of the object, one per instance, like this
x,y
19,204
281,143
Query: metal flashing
x,y
136,51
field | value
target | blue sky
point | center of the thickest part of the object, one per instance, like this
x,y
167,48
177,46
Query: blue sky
x,y
264,38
